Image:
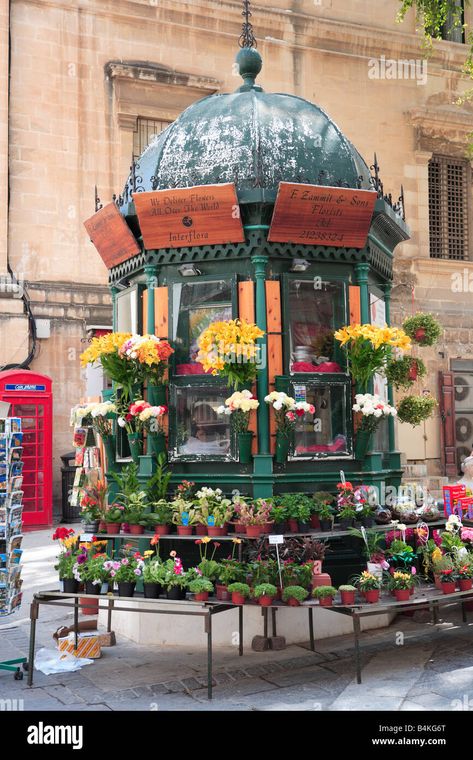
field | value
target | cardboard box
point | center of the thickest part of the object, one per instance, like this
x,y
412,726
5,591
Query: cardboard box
x,y
88,645
450,495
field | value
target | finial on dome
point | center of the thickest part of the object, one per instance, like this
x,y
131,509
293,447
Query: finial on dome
x,y
248,59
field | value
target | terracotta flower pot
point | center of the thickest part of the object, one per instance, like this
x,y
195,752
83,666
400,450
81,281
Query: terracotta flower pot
x,y
321,579
102,526
253,531
88,606
315,522
184,530
347,597
411,591
137,530
222,593
465,584
293,525
113,528
419,335
162,530
293,602
214,530
202,596
372,596
201,530
448,587
402,594
239,527
326,601
238,598
265,601
438,583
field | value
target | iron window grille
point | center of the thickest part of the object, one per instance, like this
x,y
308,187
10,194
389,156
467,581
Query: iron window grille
x,y
448,208
146,130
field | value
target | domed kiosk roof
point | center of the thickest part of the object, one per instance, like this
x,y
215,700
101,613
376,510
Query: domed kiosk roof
x,y
252,138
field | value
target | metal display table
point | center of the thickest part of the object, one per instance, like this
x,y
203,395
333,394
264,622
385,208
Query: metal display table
x,y
112,603
427,597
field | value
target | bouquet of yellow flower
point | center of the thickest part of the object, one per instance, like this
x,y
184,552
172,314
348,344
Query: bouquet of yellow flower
x,y
229,349
369,347
106,350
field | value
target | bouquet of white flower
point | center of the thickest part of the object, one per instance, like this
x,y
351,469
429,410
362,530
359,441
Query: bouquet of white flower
x,y
373,408
239,405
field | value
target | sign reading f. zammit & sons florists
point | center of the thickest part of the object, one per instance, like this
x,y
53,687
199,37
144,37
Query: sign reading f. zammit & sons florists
x,y
319,215
202,215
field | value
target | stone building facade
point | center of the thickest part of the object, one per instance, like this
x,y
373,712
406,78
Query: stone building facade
x,y
86,83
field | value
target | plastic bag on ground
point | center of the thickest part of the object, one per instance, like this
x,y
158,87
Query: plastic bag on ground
x,y
50,661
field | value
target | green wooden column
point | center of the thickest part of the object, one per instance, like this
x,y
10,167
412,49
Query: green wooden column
x,y
361,271
151,282
394,454
114,291
260,263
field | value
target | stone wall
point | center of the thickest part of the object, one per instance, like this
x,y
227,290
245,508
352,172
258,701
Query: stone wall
x,y
82,71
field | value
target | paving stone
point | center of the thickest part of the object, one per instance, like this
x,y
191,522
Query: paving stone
x,y
222,678
173,686
430,701
257,670
242,688
293,678
64,694
191,684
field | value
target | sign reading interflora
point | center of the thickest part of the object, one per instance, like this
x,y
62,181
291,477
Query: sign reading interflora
x,y
111,236
313,215
188,216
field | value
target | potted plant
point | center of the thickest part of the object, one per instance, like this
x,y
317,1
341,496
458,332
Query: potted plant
x,y
213,509
294,595
255,518
370,585
175,579
161,517
201,588
286,413
134,511
325,595
93,572
152,575
423,328
90,511
126,572
401,583
208,567
66,560
239,406
113,518
401,373
464,572
291,503
320,498
445,570
416,409
265,593
229,571
278,515
326,516
304,512
239,592
347,594
184,516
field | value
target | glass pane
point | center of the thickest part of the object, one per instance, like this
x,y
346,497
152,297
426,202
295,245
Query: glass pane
x,y
315,309
23,410
326,431
124,314
195,305
200,430
28,423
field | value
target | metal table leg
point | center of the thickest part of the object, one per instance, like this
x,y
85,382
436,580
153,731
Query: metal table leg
x,y
464,618
109,615
435,613
273,620
34,613
76,622
356,631
240,630
311,629
208,630
264,610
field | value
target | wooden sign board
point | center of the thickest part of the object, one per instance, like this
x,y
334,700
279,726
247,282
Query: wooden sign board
x,y
111,236
202,215
314,215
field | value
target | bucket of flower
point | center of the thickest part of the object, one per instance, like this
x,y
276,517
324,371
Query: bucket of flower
x,y
294,595
370,585
239,407
265,593
401,583
240,592
325,595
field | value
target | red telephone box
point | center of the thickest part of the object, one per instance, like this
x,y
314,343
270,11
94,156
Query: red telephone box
x,y
30,397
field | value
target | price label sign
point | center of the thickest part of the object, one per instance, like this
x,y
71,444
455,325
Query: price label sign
x,y
185,518
274,539
211,521
86,537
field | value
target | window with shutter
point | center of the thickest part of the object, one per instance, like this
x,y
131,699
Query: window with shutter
x,y
448,208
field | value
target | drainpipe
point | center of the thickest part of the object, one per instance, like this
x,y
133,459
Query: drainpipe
x,y
150,272
260,263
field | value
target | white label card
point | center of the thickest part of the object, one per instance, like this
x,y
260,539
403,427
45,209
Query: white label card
x,y
276,539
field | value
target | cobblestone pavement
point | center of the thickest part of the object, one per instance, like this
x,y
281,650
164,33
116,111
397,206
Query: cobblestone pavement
x,y
427,668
